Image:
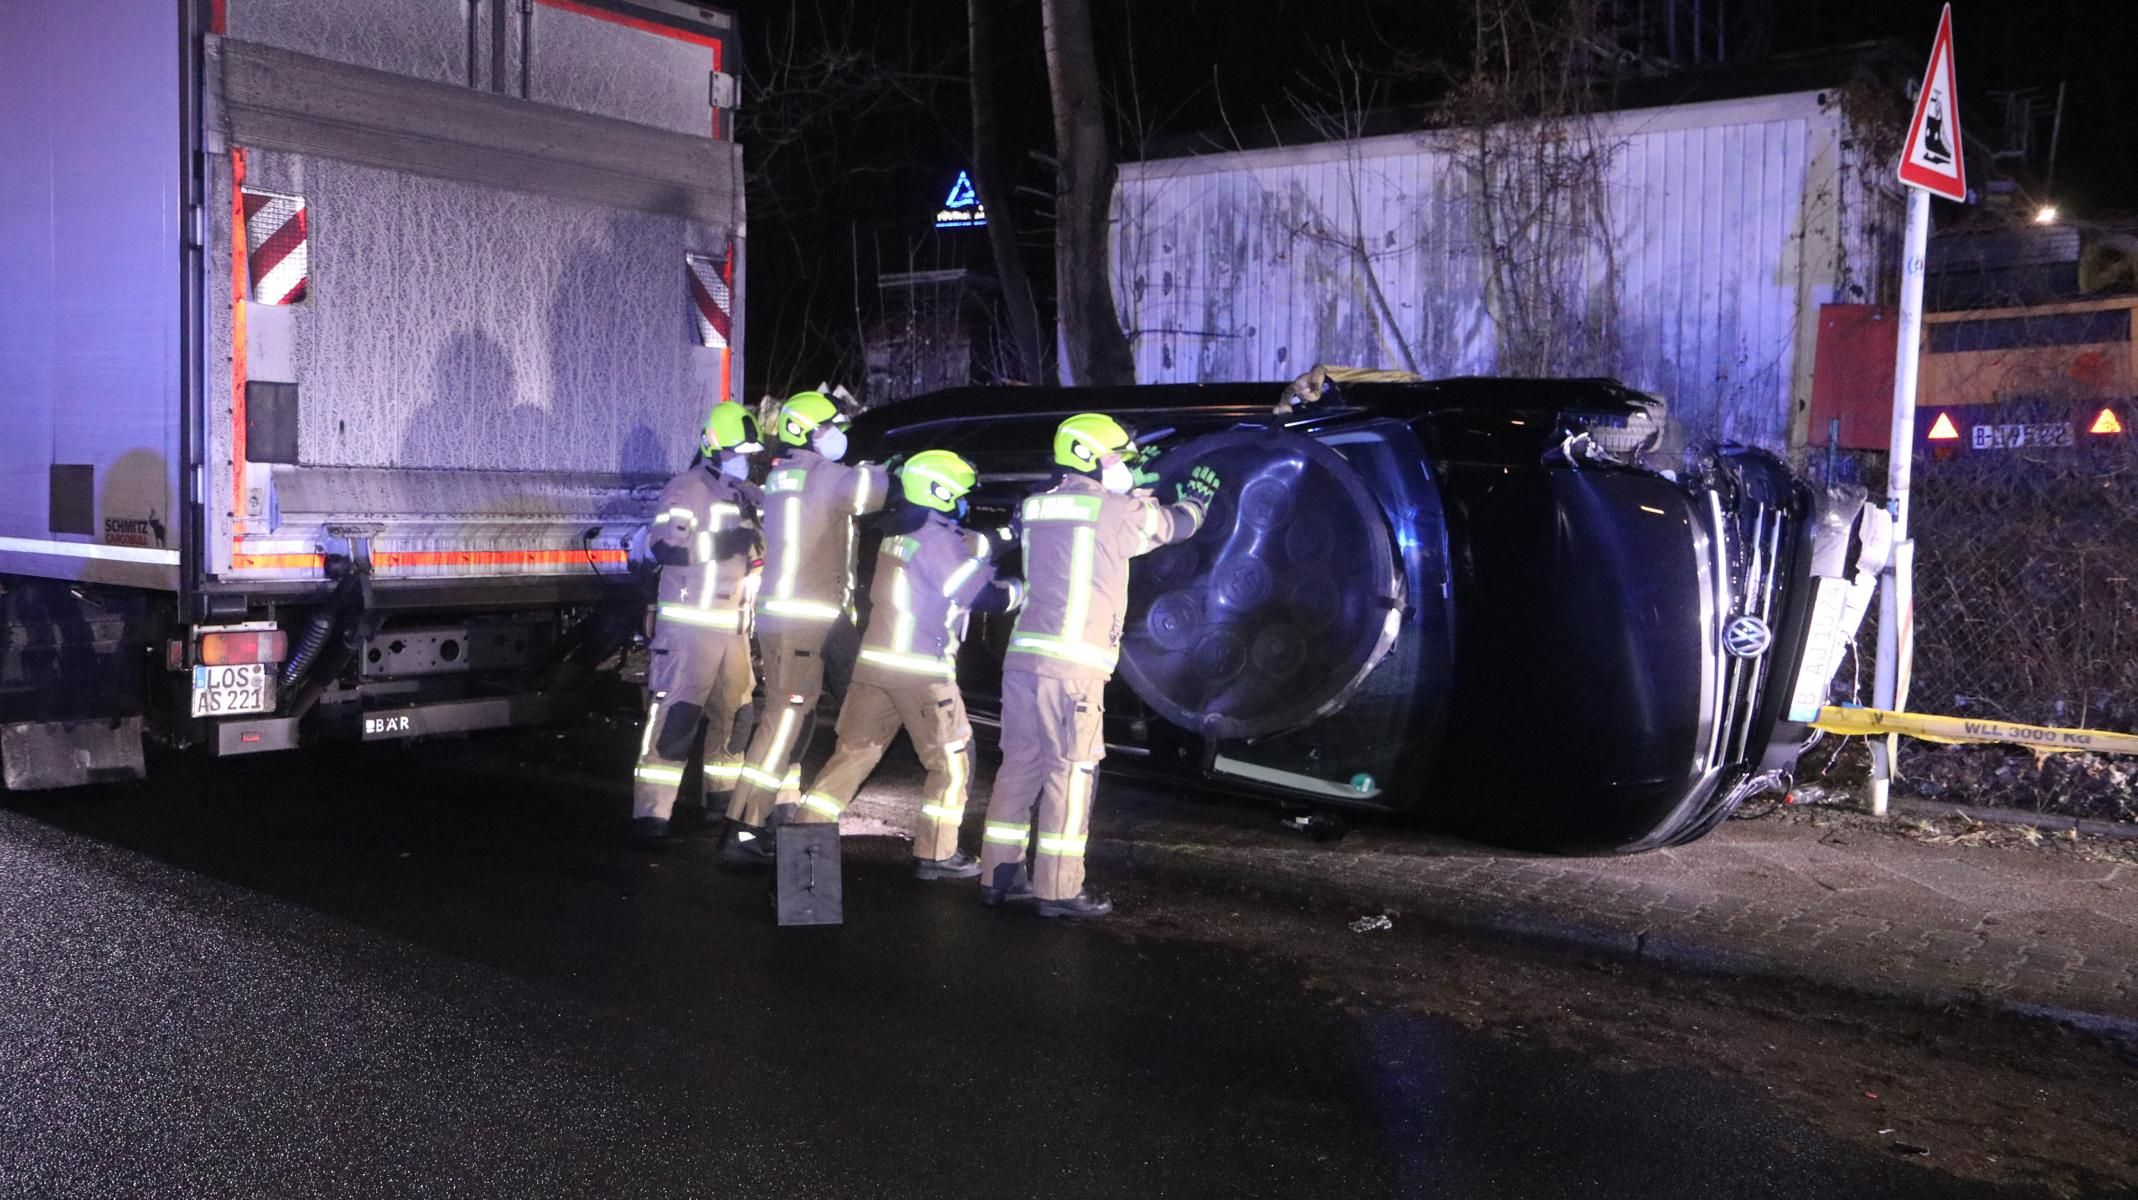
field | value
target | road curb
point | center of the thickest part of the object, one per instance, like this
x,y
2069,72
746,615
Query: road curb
x,y
2090,826
1552,932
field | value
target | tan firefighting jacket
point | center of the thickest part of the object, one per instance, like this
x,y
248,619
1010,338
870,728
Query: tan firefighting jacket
x,y
809,509
705,534
1078,540
926,582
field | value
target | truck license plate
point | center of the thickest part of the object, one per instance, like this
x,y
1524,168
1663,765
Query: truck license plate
x,y
227,691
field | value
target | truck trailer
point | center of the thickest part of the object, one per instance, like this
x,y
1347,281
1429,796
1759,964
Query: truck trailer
x,y
343,350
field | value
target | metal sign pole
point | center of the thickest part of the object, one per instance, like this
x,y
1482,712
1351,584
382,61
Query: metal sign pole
x,y
1896,598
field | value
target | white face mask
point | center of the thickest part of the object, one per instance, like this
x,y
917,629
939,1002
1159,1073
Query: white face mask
x,y
735,466
1115,476
831,443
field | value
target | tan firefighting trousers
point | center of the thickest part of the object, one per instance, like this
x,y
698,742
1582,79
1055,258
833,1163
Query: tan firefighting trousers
x,y
694,674
1053,736
933,715
794,682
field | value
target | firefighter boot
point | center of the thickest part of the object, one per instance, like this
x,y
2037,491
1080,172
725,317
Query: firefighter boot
x,y
1085,905
1011,885
959,865
745,846
648,833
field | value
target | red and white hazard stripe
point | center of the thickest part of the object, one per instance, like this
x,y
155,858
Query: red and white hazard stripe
x,y
710,294
275,247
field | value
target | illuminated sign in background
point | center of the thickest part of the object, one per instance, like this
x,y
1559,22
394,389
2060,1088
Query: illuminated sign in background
x,y
961,208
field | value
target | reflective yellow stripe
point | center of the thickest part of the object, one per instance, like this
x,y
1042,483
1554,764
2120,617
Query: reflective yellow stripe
x,y
1062,648
727,770
901,611
805,609
819,802
1065,847
950,806
669,776
653,714
1075,803
1079,607
787,479
793,780
758,773
957,579
680,514
918,664
1055,506
1014,835
708,574
790,553
846,597
727,619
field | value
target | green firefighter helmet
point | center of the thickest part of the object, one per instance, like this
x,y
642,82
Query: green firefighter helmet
x,y
803,414
937,479
1082,440
729,427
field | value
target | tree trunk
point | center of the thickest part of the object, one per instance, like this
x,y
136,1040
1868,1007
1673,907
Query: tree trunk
x,y
1097,351
991,180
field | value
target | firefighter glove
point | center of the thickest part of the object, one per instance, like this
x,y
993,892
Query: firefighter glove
x,y
1200,487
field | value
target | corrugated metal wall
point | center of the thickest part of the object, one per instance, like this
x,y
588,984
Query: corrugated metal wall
x,y
1726,225
458,326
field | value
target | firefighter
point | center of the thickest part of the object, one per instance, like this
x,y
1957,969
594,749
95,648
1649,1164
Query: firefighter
x,y
705,536
929,574
804,606
1078,539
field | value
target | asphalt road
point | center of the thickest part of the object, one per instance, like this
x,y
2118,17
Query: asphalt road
x,y
438,972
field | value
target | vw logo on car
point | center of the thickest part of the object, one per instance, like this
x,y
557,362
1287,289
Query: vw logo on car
x,y
1747,637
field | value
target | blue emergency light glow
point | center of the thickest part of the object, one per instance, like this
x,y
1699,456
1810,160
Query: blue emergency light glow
x,y
961,208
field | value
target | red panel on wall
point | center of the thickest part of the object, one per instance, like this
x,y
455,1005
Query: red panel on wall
x,y
1852,375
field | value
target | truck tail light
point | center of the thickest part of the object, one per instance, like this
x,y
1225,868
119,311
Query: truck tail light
x,y
259,646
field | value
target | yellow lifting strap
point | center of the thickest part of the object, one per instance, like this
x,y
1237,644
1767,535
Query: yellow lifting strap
x,y
1872,722
1307,388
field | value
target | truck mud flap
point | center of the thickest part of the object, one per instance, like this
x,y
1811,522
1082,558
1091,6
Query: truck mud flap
x,y
59,754
462,716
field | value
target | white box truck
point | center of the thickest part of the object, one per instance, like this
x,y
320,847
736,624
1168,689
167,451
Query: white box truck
x,y
343,347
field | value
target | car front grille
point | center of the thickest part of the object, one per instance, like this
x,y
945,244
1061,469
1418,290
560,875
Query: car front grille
x,y
1748,546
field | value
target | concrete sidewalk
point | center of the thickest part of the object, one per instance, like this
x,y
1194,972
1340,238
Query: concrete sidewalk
x,y
1825,896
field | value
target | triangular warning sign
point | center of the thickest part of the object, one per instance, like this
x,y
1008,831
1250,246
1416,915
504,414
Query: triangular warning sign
x,y
962,193
1931,159
2107,422
1943,430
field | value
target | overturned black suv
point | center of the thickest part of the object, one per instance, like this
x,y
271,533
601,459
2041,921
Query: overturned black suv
x,y
1470,599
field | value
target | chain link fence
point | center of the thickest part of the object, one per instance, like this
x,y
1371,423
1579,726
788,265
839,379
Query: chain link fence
x,y
2026,609
2026,583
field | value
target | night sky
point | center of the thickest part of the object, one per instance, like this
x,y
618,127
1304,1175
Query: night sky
x,y
857,117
